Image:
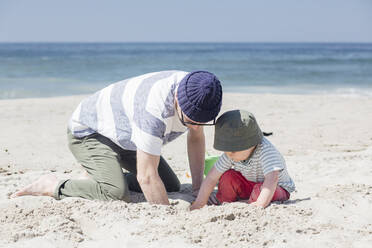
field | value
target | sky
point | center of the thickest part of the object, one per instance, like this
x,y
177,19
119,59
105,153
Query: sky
x,y
186,21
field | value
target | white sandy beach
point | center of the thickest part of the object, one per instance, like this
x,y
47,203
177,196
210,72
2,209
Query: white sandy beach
x,y
326,141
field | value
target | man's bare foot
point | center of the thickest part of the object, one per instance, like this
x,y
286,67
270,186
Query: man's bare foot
x,y
44,186
84,175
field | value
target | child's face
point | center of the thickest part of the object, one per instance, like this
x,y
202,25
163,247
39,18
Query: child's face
x,y
240,155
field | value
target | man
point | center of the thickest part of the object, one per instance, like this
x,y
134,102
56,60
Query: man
x,y
125,125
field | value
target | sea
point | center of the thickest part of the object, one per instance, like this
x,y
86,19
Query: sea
x,y
57,69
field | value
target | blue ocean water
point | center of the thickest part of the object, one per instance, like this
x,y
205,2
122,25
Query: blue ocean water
x,y
54,69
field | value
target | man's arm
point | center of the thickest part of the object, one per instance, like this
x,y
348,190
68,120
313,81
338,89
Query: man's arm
x,y
148,178
196,154
268,189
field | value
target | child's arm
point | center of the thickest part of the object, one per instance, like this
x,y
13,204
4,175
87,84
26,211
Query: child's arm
x,y
206,188
268,189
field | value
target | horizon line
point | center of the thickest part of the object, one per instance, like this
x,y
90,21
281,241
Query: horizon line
x,y
189,42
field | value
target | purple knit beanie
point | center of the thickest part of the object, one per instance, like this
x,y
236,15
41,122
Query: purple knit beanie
x,y
199,95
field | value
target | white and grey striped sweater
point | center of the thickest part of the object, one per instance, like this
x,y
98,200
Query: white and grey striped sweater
x,y
135,113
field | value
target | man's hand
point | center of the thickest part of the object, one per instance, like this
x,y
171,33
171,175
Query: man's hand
x,y
148,178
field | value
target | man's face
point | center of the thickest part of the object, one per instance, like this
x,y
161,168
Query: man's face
x,y
186,121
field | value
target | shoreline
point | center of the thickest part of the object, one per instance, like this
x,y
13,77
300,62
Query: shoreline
x,y
350,93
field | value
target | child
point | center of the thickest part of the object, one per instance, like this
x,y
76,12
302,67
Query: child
x,y
250,170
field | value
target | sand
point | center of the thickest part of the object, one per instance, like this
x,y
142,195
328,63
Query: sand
x,y
326,141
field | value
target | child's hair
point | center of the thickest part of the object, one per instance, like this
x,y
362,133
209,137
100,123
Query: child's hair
x,y
236,130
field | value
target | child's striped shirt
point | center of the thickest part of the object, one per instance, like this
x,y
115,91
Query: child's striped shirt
x,y
265,159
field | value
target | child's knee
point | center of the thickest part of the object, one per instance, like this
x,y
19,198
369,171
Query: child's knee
x,y
228,177
255,192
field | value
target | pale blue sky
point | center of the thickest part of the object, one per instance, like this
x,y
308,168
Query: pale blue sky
x,y
186,21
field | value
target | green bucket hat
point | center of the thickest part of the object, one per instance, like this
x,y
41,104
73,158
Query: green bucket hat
x,y
236,130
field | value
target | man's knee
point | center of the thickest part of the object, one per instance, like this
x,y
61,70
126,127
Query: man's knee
x,y
175,186
115,192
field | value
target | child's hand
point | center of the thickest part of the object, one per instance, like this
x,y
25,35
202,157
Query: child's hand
x,y
257,205
195,193
212,200
204,194
194,206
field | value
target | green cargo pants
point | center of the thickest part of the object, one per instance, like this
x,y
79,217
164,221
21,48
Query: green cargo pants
x,y
104,161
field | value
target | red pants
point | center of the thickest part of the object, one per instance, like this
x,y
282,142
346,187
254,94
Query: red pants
x,y
233,186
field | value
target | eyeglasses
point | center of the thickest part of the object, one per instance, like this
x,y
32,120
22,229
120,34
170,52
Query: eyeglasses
x,y
196,123
193,123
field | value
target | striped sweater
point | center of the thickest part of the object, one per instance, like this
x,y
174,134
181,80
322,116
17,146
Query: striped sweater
x,y
135,113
